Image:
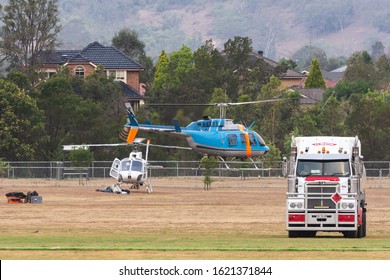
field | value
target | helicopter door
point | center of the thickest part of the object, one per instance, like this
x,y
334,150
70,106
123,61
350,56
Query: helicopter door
x,y
114,171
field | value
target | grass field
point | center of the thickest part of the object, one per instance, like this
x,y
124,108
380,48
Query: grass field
x,y
236,219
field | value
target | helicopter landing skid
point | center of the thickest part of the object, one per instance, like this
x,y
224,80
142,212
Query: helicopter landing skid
x,y
221,159
134,186
148,187
253,163
224,162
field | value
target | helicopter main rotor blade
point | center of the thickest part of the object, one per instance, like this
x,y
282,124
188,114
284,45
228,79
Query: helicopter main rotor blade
x,y
179,104
86,146
252,102
168,147
216,104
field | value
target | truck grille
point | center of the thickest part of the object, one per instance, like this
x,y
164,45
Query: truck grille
x,y
319,196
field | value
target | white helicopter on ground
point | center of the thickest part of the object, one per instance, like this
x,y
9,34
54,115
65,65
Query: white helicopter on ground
x,y
132,170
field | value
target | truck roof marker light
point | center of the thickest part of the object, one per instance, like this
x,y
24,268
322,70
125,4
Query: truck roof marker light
x,y
301,152
323,150
322,178
345,152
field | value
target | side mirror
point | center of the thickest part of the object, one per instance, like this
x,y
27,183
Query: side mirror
x,y
284,167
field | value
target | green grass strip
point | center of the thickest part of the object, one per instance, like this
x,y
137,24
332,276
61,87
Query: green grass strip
x,y
192,249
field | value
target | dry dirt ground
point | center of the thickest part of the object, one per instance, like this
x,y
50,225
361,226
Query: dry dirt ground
x,y
247,214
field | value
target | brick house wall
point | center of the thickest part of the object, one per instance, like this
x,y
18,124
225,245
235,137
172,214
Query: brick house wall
x,y
132,80
88,68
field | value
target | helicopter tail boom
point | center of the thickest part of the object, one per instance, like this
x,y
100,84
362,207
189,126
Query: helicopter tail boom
x,y
126,134
131,116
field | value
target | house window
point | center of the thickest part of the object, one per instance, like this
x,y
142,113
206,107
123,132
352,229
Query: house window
x,y
79,71
120,75
50,74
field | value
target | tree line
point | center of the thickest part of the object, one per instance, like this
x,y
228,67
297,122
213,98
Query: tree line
x,y
38,116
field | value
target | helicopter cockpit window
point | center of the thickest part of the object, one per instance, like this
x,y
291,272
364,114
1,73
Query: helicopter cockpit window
x,y
232,138
261,141
125,165
136,166
252,139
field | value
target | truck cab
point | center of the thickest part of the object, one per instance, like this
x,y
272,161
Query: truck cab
x,y
324,190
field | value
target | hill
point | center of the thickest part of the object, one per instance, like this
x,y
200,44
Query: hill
x,y
279,28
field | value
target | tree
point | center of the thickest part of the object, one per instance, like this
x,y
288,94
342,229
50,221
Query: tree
x,y
238,50
162,74
20,79
269,112
21,124
377,50
360,66
304,57
181,63
218,96
208,71
370,119
334,125
344,89
245,73
81,159
59,102
30,26
128,42
315,78
208,163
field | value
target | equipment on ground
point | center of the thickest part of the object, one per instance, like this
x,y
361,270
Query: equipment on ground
x,y
114,188
324,187
19,197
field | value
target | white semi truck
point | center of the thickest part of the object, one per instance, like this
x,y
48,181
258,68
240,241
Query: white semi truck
x,y
324,187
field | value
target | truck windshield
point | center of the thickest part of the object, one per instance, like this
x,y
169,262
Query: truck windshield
x,y
339,168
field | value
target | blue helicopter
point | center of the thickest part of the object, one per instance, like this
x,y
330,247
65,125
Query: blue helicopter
x,y
218,137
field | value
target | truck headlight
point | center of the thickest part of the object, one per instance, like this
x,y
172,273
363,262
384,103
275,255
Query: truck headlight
x,y
299,205
351,205
344,205
293,205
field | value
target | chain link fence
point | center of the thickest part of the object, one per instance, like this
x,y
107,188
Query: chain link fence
x,y
101,169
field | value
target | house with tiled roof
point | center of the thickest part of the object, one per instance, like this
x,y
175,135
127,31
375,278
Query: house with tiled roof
x,y
288,79
82,63
309,96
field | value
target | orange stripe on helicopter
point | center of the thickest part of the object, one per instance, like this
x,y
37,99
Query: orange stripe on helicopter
x,y
247,142
132,134
248,145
